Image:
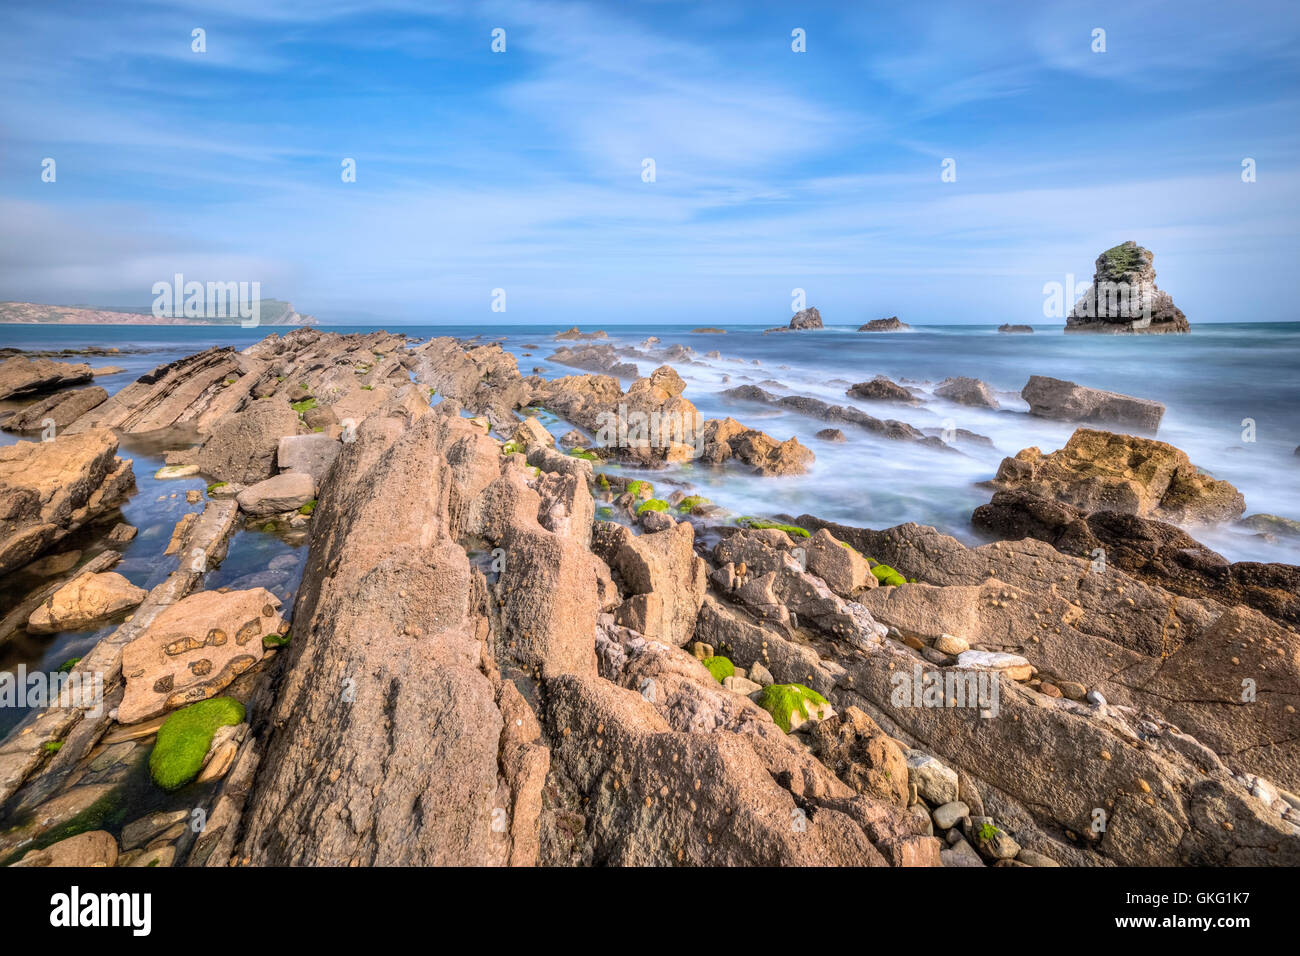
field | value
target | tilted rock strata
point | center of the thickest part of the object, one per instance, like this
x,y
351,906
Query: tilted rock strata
x,y
49,489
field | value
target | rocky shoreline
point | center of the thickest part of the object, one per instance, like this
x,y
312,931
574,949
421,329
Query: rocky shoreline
x,y
503,652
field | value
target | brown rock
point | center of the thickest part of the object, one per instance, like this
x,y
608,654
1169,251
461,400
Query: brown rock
x,y
862,755
21,376
1066,401
1102,471
193,649
86,600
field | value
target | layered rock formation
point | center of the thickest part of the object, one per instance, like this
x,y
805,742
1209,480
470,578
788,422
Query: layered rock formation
x,y
487,693
1123,296
21,376
60,410
480,672
652,424
1150,550
49,489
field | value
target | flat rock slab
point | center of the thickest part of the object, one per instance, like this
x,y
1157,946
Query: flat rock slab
x,y
1068,402
309,454
285,492
23,376
194,649
84,601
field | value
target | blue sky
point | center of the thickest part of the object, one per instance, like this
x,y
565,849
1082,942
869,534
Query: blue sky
x,y
522,170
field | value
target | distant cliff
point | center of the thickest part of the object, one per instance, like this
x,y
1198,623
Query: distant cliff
x,y
270,312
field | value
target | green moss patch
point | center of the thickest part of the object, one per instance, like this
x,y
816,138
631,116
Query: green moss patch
x,y
276,640
654,504
308,508
1121,259
69,664
184,739
583,454
303,405
762,524
887,575
784,700
215,485
689,504
512,447
639,488
720,667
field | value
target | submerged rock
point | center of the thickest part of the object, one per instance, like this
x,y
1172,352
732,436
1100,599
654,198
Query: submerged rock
x,y
881,389
966,391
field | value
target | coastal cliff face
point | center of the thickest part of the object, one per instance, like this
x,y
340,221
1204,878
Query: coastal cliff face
x,y
1123,296
500,653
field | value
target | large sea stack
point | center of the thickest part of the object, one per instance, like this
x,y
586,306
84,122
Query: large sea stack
x,y
1123,296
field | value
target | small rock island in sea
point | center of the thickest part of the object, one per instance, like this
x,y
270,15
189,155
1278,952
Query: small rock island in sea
x,y
1123,296
808,318
891,324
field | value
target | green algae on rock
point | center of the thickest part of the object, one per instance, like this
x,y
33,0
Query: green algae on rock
x,y
184,739
637,487
654,504
720,667
793,704
762,524
887,575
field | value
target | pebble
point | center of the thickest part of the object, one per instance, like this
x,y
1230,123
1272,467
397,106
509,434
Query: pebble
x,y
760,675
1034,858
949,815
934,782
949,644
960,854
1072,689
